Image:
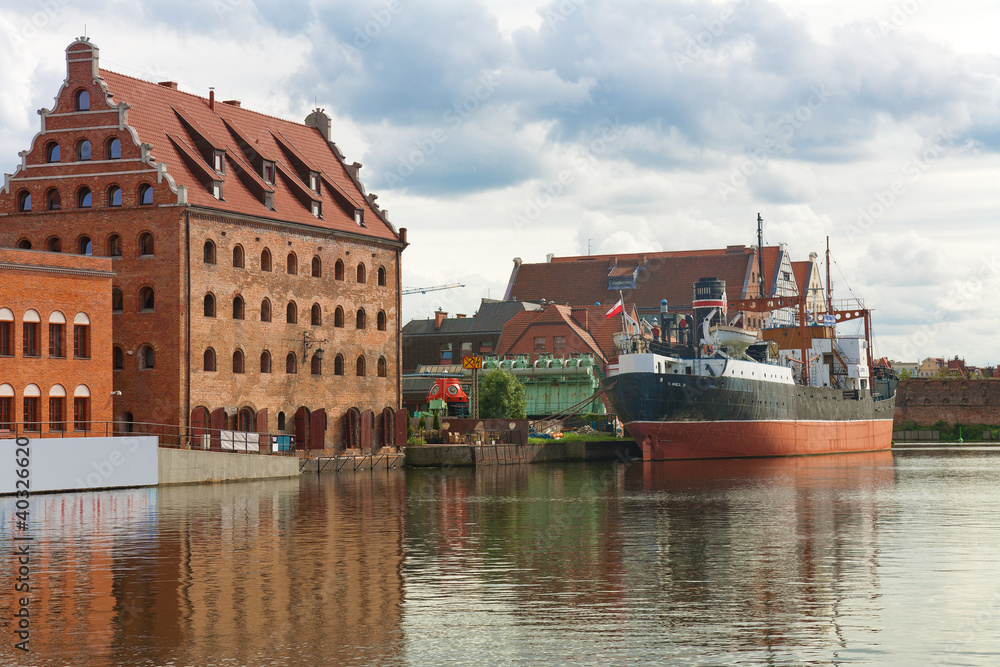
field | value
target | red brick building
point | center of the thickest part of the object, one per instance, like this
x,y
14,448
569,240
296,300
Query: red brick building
x,y
55,343
255,281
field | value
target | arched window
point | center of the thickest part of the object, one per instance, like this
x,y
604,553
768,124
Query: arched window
x,y
85,246
53,201
361,273
361,366
84,198
292,266
24,244
382,367
359,320
210,305
209,364
291,313
117,358
317,267
381,276
265,260
281,421
53,244
147,358
209,252
265,362
52,152
317,315
23,201
238,361
238,310
290,363
338,270
265,310
117,301
83,150
146,299
114,196
316,365
114,151
338,365
338,318
82,100
245,420
114,246
238,258
145,194
146,244
381,320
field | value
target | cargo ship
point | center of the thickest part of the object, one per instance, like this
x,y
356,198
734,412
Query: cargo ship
x,y
700,388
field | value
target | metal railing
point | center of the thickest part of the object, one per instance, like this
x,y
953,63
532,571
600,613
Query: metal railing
x,y
172,436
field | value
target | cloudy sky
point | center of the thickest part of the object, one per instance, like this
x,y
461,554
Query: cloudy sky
x,y
494,130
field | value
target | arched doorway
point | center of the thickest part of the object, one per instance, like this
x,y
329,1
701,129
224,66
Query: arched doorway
x,y
368,431
387,432
302,428
200,420
246,420
352,429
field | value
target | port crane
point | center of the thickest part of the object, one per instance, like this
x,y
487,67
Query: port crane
x,y
425,290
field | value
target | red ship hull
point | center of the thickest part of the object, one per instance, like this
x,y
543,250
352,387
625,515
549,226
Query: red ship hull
x,y
662,440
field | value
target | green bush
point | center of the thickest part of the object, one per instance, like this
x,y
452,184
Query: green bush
x,y
502,396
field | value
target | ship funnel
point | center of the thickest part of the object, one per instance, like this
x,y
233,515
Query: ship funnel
x,y
709,296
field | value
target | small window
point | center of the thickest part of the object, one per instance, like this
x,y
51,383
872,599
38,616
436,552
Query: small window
x,y
265,362
292,266
24,244
539,343
317,315
238,361
147,358
314,181
53,244
209,252
81,409
317,209
146,244
114,246
361,273
83,150
316,365
361,366
57,409
145,194
52,152
32,413
85,246
382,367
559,342
30,339
265,260
290,365
268,172
114,149
217,190
238,310
238,258
209,361
338,270
338,317
281,421
84,198
381,276
338,365
381,320
219,161
146,299
53,201
359,320
291,313
57,338
117,359
24,201
117,301
209,305
265,310
6,333
114,196
317,267
82,100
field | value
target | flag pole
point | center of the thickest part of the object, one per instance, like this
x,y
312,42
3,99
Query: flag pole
x,y
622,297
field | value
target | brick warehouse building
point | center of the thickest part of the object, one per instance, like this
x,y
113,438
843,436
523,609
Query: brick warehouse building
x,y
55,343
255,280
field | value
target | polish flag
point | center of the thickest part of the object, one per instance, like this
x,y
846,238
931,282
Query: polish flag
x,y
617,308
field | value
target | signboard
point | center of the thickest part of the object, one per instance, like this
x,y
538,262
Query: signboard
x,y
472,362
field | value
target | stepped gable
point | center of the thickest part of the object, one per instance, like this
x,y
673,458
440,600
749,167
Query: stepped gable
x,y
174,123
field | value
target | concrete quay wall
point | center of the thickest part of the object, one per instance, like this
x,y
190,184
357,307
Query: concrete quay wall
x,y
189,466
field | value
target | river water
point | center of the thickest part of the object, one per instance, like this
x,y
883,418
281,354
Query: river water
x,y
890,558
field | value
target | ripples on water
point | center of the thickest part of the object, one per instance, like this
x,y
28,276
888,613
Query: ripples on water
x,y
862,559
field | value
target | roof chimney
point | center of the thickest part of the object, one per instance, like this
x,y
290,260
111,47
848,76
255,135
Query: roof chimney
x,y
172,85
642,260
548,258
580,315
320,121
402,234
211,99
460,316
612,263
439,316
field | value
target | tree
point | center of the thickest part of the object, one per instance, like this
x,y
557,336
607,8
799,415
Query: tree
x,y
502,396
905,374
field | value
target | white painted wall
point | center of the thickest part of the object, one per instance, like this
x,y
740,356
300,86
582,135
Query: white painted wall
x,y
69,464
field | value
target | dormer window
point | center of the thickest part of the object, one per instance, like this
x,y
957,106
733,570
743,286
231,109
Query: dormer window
x,y
220,162
316,209
314,181
217,190
269,200
268,172
359,217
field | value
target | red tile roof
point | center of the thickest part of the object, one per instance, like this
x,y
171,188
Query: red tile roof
x,y
597,335
166,118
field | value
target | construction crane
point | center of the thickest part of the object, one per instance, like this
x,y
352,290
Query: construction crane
x,y
425,290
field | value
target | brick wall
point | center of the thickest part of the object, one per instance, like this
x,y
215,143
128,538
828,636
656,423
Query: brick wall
x,y
925,402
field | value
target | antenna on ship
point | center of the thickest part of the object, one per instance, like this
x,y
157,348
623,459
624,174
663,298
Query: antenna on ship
x,y
829,285
760,255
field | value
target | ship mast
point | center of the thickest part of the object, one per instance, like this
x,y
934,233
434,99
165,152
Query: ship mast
x,y
760,255
829,286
